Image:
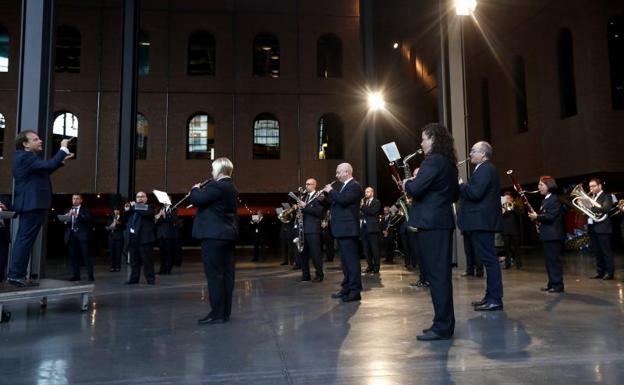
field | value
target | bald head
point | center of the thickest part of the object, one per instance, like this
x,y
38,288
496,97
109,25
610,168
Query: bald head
x,y
344,171
310,185
480,152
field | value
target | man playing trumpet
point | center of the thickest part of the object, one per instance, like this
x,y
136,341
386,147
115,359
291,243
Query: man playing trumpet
x,y
312,216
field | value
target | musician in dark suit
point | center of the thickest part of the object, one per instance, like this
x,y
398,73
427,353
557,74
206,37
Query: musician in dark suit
x,y
433,189
166,235
115,239
5,238
511,231
286,238
139,219
480,218
77,237
216,226
551,232
32,197
600,232
370,230
312,215
258,236
388,234
326,237
345,227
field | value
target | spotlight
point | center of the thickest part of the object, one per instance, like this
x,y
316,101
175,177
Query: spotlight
x,y
376,101
465,7
395,45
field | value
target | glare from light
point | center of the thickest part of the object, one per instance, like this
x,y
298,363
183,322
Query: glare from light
x,y
465,7
376,101
395,45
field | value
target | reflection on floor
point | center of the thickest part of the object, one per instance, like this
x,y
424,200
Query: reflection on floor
x,y
287,332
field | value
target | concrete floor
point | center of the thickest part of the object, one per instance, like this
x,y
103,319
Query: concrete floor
x,y
287,332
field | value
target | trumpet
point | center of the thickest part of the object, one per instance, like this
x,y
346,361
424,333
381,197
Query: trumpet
x,y
584,203
508,206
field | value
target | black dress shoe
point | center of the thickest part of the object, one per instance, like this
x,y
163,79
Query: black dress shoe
x,y
430,335
318,278
283,263
74,279
339,294
479,275
466,274
597,276
547,288
608,277
306,279
131,282
208,320
17,282
554,290
480,302
351,298
112,270
488,307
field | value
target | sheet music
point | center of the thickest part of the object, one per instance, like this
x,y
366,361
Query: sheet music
x,y
392,152
162,197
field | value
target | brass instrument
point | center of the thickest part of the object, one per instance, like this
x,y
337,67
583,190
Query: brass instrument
x,y
584,203
508,206
286,216
618,208
463,161
299,240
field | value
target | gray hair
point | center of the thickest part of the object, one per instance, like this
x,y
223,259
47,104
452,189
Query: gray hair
x,y
223,166
486,149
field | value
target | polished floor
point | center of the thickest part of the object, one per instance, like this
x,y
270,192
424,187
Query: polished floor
x,y
287,332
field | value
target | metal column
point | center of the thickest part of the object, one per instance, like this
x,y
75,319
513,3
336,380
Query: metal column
x,y
128,100
36,91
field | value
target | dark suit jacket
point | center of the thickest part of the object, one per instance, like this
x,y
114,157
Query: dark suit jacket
x,y
312,216
83,225
117,233
143,222
345,210
550,219
370,216
216,216
604,227
33,190
5,231
433,192
511,222
480,204
165,226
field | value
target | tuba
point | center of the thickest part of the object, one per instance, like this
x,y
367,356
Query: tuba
x,y
584,203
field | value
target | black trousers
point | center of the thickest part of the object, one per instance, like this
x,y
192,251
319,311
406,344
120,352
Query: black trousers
x,y
405,249
388,245
27,231
483,245
141,255
328,245
415,257
167,253
601,247
218,259
436,250
312,251
4,251
512,249
370,246
258,247
552,260
115,246
350,263
473,260
79,254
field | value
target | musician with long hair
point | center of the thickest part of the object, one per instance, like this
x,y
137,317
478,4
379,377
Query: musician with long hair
x,y
216,226
551,232
433,189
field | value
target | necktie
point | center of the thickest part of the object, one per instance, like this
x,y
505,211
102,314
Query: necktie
x,y
75,209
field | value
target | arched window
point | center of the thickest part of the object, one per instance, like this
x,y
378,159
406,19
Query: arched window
x,y
142,131
201,54
266,56
143,51
201,137
266,137
68,43
329,57
567,86
522,118
615,37
330,137
2,127
65,126
4,49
